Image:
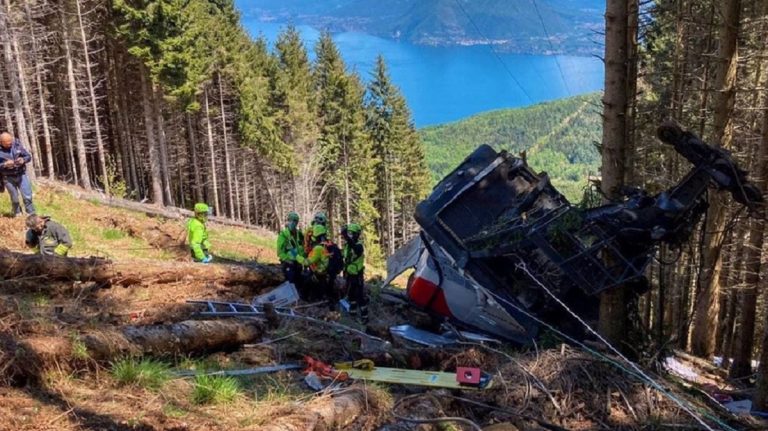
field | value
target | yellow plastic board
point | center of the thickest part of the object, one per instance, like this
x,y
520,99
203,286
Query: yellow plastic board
x,y
399,376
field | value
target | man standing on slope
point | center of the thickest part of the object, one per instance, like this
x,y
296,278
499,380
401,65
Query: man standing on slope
x,y
13,170
47,237
290,249
354,270
198,234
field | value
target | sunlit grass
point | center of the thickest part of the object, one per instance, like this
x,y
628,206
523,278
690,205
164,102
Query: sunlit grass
x,y
145,373
215,390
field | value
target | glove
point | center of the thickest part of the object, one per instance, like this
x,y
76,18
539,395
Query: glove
x,y
301,260
61,250
207,259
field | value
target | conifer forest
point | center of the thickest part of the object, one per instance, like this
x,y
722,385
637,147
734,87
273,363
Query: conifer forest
x,y
173,102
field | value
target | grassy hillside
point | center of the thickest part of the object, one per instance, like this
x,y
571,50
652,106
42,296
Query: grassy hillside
x,y
100,230
558,136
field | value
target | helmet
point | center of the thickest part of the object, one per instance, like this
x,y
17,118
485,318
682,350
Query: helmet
x,y
293,216
354,228
201,208
318,230
320,218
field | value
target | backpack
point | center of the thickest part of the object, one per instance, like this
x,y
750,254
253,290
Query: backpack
x,y
335,259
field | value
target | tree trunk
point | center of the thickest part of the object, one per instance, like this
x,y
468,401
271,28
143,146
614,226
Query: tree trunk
x,y
183,338
613,324
744,339
94,105
157,104
6,110
36,354
212,151
195,168
155,172
227,161
246,186
34,147
13,78
705,322
147,273
39,72
82,160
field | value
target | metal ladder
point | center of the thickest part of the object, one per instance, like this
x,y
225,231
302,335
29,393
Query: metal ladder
x,y
236,309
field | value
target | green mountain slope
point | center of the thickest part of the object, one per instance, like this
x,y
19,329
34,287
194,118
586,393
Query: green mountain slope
x,y
511,25
558,137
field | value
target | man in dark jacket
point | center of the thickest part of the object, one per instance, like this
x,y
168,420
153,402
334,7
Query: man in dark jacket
x,y
47,237
13,169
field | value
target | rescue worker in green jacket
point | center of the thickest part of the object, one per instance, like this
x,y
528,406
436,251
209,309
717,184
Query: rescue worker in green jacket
x,y
197,233
322,260
319,219
290,250
354,270
47,237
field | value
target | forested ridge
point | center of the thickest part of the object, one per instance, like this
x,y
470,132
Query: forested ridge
x,y
172,101
572,26
558,137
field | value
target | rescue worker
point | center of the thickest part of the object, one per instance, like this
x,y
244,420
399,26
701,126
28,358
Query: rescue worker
x,y
197,233
323,260
354,270
290,249
319,219
13,170
47,237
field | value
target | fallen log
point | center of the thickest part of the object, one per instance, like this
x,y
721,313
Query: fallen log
x,y
28,357
188,337
332,412
126,273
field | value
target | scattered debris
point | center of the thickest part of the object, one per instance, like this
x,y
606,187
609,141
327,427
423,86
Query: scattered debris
x,y
675,366
422,337
313,381
429,339
282,296
742,407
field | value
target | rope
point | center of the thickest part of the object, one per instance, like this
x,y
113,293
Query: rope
x,y
636,371
496,54
549,41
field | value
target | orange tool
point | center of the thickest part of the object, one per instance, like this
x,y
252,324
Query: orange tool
x,y
324,370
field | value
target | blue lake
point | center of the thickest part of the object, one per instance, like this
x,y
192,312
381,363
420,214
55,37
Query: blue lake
x,y
443,84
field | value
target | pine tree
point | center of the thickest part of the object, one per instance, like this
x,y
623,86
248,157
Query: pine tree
x,y
400,170
293,99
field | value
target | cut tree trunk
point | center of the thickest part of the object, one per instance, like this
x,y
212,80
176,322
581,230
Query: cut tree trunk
x,y
188,337
128,273
32,355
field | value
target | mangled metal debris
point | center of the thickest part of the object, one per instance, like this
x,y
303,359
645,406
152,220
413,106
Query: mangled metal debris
x,y
500,246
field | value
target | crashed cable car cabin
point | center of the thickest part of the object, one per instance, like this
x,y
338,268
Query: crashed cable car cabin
x,y
495,234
